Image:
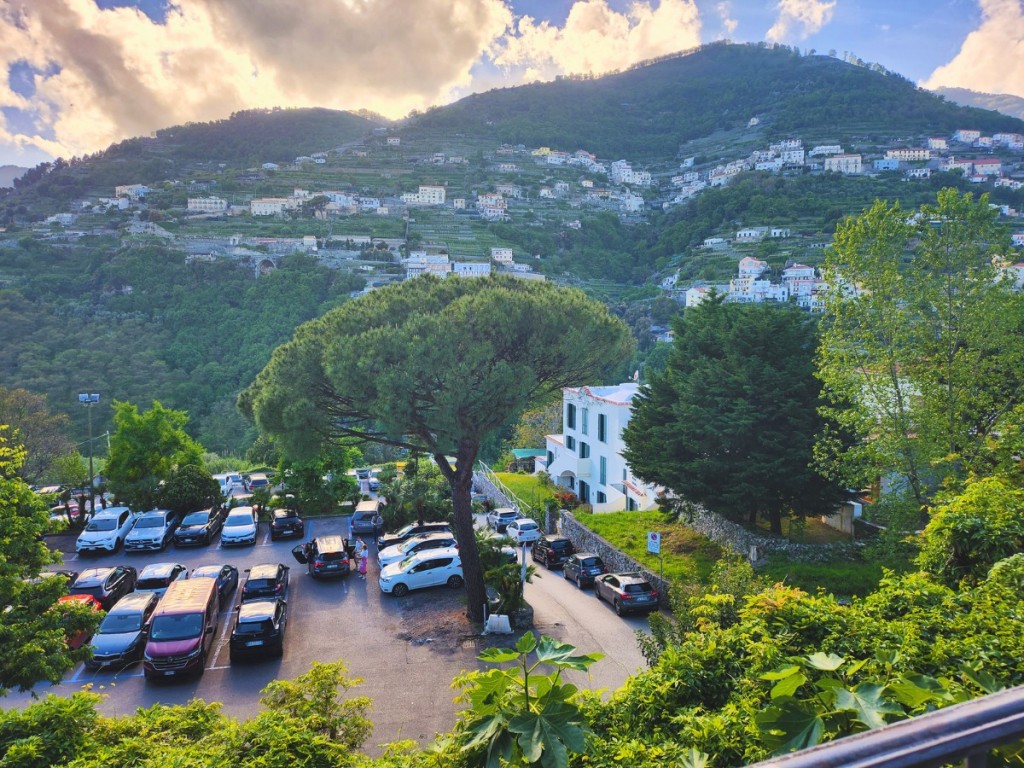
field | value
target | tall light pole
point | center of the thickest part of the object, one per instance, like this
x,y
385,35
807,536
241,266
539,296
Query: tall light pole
x,y
88,400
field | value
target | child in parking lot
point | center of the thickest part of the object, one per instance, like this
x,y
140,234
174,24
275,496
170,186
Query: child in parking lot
x,y
361,556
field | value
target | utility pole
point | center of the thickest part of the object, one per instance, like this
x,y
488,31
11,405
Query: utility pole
x,y
88,400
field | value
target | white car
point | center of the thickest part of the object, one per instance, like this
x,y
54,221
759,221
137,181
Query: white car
x,y
230,483
499,518
156,577
425,569
239,527
151,531
523,531
422,543
106,531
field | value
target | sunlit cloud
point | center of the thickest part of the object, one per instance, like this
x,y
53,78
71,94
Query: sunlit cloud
x,y
991,58
799,19
729,24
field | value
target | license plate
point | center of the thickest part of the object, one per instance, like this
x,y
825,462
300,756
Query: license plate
x,y
170,672
252,643
187,541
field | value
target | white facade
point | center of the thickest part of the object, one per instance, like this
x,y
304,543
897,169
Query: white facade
x,y
751,267
824,150
428,194
131,191
751,234
938,143
966,136
268,206
908,154
846,164
207,204
471,268
502,255
587,457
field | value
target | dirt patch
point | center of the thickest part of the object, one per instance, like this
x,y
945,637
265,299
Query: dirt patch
x,y
437,619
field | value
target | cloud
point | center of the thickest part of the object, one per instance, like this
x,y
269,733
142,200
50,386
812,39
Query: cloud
x,y
596,39
729,24
799,19
102,75
991,58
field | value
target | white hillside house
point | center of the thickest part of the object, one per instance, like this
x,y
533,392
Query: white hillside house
x,y
587,457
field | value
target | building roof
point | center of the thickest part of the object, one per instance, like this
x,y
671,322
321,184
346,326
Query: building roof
x,y
616,394
526,453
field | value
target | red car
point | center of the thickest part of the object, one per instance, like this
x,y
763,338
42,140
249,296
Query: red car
x,y
80,637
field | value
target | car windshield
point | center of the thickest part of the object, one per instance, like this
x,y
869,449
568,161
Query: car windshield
x,y
237,520
150,522
181,627
405,531
118,623
102,524
196,518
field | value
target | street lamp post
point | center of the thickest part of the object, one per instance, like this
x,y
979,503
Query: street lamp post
x,y
88,400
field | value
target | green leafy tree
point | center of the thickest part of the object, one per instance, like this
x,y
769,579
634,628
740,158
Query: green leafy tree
x,y
33,632
924,361
320,483
731,422
146,449
420,493
434,366
189,488
43,434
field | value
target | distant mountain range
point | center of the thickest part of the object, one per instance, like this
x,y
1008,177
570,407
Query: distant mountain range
x,y
8,173
1000,102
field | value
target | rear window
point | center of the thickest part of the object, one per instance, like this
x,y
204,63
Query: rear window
x,y
362,516
635,588
561,544
591,561
259,584
332,557
253,627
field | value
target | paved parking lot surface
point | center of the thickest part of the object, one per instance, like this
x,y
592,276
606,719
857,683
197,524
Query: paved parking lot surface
x,y
387,641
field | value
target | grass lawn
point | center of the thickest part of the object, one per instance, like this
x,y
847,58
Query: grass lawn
x,y
527,487
688,556
841,578
810,530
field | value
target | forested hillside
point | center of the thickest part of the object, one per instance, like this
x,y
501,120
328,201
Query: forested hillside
x,y
647,112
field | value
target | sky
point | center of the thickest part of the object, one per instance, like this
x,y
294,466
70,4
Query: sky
x,y
82,74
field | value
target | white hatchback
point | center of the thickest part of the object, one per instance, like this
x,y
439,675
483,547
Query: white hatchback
x,y
106,531
239,527
523,531
422,543
425,569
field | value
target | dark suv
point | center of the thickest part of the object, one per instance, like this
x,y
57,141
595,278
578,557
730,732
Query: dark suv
x,y
266,581
286,522
108,585
199,528
583,568
412,529
326,556
627,592
552,551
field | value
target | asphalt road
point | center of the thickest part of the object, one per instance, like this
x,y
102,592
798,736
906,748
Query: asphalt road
x,y
407,679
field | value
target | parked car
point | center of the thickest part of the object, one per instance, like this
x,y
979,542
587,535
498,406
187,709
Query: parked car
x,y
157,577
226,576
499,518
266,580
239,527
523,531
627,592
326,556
363,473
425,569
374,484
152,531
551,551
583,568
199,528
286,522
259,628
419,543
230,483
412,529
108,585
362,522
183,630
77,638
106,531
121,637
257,481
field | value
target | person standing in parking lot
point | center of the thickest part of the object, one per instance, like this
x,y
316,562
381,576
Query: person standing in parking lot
x,y
361,556
378,524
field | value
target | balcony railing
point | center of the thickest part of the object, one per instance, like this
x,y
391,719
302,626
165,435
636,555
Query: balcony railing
x,y
965,732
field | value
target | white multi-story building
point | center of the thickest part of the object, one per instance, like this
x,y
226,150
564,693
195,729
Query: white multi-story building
x,y
824,150
492,207
938,143
207,204
908,154
427,263
751,234
850,165
471,268
428,194
918,173
966,135
587,457
268,206
988,166
133,192
751,267
502,255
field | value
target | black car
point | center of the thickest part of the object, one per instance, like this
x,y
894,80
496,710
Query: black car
x,y
199,528
326,556
627,592
108,585
583,568
266,581
412,529
121,637
551,551
259,629
286,522
226,576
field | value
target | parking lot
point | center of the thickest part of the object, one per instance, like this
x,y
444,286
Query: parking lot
x,y
407,650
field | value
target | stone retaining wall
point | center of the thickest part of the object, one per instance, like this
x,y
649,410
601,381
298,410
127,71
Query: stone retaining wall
x,y
585,540
484,485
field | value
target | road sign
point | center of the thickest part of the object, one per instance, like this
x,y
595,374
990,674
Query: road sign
x,y
654,542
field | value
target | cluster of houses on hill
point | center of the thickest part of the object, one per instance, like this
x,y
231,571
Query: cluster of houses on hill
x,y
422,262
799,283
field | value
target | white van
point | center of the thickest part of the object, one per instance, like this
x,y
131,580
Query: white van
x,y
106,531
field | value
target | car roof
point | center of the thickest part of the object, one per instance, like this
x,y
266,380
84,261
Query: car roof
x,y
156,513
159,569
134,601
110,512
265,570
240,509
282,512
524,522
255,610
92,576
213,570
631,577
432,536
431,554
87,599
330,543
582,555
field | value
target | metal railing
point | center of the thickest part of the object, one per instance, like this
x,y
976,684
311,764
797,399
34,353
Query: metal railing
x,y
965,732
513,501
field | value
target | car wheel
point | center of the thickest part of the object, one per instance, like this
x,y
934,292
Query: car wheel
x,y
579,583
597,593
455,582
618,607
400,590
